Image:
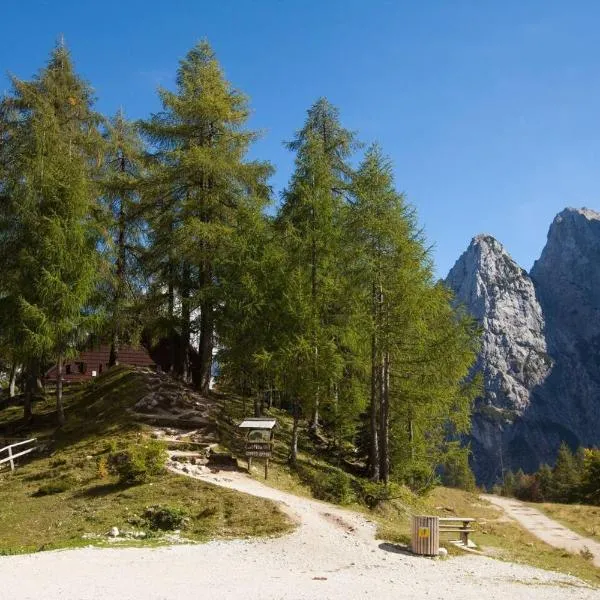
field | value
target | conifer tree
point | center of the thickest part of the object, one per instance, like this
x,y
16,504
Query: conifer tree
x,y
124,228
204,177
420,352
48,237
566,475
311,221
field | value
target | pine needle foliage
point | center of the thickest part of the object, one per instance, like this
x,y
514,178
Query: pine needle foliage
x,y
49,237
203,179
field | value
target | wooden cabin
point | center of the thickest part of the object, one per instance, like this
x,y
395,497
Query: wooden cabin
x,y
93,362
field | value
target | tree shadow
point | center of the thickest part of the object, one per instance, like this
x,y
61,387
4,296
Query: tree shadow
x,y
101,490
395,549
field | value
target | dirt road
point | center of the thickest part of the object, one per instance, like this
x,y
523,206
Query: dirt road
x,y
332,555
545,528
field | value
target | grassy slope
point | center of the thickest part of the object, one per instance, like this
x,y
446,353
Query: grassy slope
x,y
496,535
92,505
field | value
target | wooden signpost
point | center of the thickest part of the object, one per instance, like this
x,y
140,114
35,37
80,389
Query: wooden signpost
x,y
259,439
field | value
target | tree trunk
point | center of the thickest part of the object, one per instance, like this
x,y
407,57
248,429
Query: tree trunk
x,y
173,343
295,432
384,432
257,405
374,414
12,382
113,359
60,412
185,326
30,384
314,420
206,346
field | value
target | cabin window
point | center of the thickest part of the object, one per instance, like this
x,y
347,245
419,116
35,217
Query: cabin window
x,y
100,368
68,369
82,367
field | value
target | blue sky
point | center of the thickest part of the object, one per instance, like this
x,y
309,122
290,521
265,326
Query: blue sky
x,y
490,111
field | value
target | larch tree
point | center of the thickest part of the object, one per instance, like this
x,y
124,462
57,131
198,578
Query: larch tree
x,y
416,342
124,229
204,176
310,219
48,234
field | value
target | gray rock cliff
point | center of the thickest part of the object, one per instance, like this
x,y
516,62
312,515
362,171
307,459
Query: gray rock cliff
x,y
513,358
540,355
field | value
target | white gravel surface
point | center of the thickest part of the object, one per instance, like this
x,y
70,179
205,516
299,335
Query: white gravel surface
x,y
333,554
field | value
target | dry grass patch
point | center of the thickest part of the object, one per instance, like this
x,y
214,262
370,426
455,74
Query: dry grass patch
x,y
581,518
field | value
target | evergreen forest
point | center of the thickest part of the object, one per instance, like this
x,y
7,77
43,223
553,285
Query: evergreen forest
x,y
164,230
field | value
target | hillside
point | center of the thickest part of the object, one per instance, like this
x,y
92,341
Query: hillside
x,y
59,499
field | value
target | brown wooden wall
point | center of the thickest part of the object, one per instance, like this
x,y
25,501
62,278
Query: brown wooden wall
x,y
97,360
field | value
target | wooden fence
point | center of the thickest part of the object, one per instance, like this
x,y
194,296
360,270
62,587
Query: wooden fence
x,y
12,455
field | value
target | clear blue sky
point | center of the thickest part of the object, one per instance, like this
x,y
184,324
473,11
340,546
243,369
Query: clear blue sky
x,y
489,110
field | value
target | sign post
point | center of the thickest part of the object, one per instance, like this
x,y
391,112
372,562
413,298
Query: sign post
x,y
259,440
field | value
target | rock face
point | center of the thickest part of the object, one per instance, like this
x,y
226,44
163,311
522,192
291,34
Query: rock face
x,y
567,280
513,357
540,348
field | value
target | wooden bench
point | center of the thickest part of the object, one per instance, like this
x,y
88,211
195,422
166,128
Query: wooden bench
x,y
460,525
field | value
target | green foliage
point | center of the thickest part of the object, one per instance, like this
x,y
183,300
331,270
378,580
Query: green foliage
x,y
575,478
48,241
333,485
456,471
138,462
200,185
160,228
165,518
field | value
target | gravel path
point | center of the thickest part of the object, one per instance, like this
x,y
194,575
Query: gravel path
x,y
332,555
545,528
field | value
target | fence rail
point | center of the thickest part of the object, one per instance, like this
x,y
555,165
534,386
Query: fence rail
x,y
11,455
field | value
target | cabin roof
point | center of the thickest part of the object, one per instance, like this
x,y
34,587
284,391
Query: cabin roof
x,y
258,423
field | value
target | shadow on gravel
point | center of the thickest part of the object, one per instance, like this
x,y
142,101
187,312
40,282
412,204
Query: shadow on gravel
x,y
395,549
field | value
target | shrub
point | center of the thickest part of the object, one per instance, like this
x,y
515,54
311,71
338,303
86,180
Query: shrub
x,y
102,467
138,462
332,486
373,494
165,518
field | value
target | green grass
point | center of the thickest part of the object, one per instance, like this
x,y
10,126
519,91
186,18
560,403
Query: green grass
x,y
59,500
495,535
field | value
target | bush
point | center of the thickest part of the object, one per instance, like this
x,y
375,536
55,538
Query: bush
x,y
102,467
165,518
373,494
138,463
332,485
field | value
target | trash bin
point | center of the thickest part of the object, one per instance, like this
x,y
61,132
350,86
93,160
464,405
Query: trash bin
x,y
425,538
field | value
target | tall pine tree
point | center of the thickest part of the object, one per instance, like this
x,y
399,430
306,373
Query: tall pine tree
x,y
203,178
49,238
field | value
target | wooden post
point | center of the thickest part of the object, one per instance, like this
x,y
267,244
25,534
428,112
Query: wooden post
x,y
425,538
10,459
266,468
249,463
464,535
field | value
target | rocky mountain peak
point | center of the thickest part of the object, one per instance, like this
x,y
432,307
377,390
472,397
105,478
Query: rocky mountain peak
x,y
540,355
513,357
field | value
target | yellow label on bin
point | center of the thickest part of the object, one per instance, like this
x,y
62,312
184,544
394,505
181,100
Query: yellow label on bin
x,y
424,532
